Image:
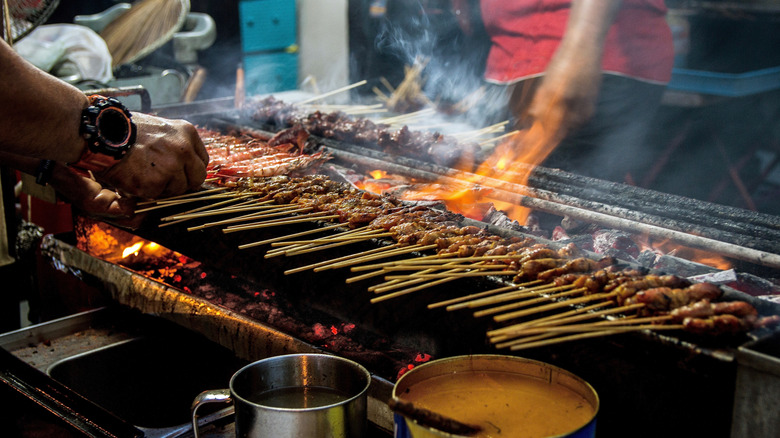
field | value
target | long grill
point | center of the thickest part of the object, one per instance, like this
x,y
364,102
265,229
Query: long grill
x,y
641,376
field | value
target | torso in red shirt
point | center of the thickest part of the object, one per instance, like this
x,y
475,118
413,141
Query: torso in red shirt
x,y
526,33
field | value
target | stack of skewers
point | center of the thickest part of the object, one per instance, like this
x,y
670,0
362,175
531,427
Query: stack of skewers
x,y
547,295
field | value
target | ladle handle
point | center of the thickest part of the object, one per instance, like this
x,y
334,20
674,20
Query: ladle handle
x,y
206,397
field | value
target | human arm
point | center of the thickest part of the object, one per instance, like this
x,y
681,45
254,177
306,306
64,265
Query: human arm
x,y
85,195
40,117
566,97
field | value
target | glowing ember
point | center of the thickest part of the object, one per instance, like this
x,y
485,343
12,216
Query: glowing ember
x,y
132,250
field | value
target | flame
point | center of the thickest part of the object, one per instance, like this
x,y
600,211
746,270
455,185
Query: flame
x,y
377,174
513,160
471,202
668,247
132,249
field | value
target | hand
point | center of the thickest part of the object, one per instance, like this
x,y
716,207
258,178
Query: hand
x,y
567,95
168,159
92,199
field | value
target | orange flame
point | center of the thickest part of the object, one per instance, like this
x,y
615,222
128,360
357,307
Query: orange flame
x,y
514,159
668,247
377,174
132,249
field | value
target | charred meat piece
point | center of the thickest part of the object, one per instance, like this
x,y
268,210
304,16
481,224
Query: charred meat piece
x,y
630,288
705,308
666,298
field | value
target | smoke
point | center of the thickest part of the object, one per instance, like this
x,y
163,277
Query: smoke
x,y
454,62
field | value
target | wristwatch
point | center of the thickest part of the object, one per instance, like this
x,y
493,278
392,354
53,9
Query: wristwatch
x,y
109,131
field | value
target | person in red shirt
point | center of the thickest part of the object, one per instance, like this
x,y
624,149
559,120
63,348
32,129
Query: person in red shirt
x,y
592,71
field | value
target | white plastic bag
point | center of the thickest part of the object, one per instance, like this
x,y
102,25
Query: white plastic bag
x,y
68,49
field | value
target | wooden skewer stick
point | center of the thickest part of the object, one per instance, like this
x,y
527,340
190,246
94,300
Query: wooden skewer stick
x,y
227,210
595,334
184,201
380,95
398,284
347,257
365,236
302,233
459,274
186,195
281,211
205,197
468,135
289,213
471,297
321,241
332,92
169,221
316,248
525,340
387,84
365,276
408,116
495,139
245,206
514,295
413,289
365,111
305,249
575,315
589,315
565,303
395,252
394,284
594,325
515,341
409,267
376,288
276,223
519,293
213,207
413,260
526,303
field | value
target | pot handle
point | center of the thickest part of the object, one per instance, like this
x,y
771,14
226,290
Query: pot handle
x,y
205,397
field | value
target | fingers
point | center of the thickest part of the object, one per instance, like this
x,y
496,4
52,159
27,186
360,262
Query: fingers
x,y
169,158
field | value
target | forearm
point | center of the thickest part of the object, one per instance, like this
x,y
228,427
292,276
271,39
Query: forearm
x,y
61,177
589,22
39,114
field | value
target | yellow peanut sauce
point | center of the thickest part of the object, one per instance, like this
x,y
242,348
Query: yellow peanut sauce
x,y
503,404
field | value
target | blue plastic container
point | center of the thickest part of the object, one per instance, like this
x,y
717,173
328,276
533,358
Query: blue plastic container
x,y
725,84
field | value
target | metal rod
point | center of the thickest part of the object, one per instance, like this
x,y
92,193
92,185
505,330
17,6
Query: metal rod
x,y
758,257
763,239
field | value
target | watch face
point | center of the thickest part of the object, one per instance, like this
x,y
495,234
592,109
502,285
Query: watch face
x,y
114,127
107,127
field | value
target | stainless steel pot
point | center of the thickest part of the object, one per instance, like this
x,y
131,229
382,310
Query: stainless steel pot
x,y
296,395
